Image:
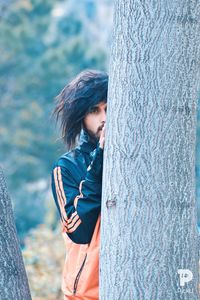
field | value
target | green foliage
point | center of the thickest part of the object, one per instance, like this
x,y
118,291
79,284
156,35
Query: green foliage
x,y
44,255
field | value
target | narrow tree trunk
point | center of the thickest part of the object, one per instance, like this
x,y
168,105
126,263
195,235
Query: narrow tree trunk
x,y
149,237
13,280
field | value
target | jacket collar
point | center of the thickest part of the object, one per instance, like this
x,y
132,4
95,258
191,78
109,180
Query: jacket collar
x,y
86,143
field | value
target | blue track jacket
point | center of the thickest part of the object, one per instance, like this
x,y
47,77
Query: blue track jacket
x,y
76,186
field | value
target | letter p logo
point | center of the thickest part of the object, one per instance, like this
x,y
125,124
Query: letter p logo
x,y
185,276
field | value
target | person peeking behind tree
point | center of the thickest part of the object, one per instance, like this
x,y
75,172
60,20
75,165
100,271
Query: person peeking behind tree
x,y
77,180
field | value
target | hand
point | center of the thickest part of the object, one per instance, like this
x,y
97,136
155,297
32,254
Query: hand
x,y
102,137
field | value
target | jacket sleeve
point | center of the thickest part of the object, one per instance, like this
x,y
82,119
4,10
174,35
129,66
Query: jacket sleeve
x,y
79,205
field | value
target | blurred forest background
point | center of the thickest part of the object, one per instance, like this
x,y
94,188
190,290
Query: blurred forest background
x,y
43,44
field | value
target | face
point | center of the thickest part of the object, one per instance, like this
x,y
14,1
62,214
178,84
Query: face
x,y
95,119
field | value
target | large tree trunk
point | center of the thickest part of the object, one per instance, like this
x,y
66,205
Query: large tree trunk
x,y
13,279
149,238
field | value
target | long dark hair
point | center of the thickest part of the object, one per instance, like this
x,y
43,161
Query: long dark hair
x,y
85,91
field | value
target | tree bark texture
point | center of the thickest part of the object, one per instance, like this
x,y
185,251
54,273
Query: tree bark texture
x,y
149,237
13,279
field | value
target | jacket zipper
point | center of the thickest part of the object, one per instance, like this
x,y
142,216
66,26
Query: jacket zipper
x,y
78,276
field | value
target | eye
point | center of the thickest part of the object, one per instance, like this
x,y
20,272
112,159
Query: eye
x,y
94,109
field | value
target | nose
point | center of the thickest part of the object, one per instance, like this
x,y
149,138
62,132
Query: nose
x,y
103,116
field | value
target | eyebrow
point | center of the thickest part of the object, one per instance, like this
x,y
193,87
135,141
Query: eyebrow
x,y
96,106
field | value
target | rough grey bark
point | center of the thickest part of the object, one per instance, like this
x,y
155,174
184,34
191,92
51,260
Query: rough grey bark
x,y
13,279
148,222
